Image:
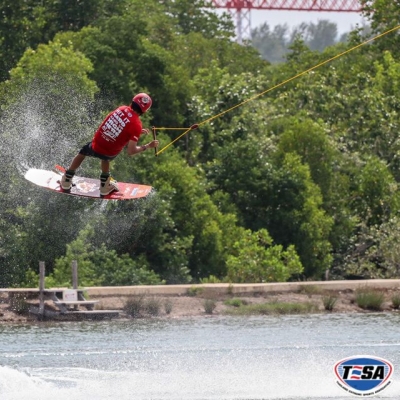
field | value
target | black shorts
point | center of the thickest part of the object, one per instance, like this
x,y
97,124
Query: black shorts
x,y
87,150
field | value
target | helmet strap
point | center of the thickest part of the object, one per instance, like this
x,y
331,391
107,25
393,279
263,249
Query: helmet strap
x,y
135,107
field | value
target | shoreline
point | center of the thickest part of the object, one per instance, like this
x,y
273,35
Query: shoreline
x,y
185,301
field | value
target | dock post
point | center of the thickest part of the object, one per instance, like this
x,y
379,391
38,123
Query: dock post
x,y
42,270
74,274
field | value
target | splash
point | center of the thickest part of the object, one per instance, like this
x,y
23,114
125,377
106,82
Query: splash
x,y
47,124
44,124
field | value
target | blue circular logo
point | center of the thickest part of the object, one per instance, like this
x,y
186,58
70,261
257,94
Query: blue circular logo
x,y
363,375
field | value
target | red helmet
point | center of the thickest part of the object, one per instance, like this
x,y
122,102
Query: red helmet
x,y
143,100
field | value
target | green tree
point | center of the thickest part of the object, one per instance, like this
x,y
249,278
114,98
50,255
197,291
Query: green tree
x,y
383,14
376,196
199,16
309,140
297,217
21,26
317,36
52,87
28,23
373,253
99,266
186,232
256,259
53,62
272,45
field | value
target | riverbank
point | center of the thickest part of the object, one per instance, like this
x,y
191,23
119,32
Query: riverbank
x,y
182,301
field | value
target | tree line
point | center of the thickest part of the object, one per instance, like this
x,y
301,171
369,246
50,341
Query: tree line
x,y
296,184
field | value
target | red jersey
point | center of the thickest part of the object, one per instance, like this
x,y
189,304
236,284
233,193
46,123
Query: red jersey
x,y
117,129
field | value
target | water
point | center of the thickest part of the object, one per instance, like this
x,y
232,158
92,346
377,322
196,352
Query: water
x,y
289,357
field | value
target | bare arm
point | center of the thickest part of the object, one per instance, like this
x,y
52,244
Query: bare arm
x,y
133,147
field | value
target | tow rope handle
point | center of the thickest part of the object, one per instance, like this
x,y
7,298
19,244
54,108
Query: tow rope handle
x,y
153,128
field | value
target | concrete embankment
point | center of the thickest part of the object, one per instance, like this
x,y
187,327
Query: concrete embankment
x,y
224,288
240,288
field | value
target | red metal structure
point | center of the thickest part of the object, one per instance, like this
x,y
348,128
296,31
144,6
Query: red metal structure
x,y
240,9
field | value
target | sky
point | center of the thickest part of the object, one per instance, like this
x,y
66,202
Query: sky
x,y
345,21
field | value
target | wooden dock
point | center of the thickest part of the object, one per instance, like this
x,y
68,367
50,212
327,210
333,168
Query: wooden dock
x,y
60,304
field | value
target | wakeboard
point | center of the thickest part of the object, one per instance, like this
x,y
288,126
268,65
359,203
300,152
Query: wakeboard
x,y
85,187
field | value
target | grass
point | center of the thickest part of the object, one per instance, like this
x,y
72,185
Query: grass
x,y
235,302
369,299
329,302
152,306
135,306
194,291
168,306
275,308
139,306
396,301
209,306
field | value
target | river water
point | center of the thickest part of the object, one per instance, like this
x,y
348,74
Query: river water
x,y
285,357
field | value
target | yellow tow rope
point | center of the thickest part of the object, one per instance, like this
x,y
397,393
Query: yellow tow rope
x,y
195,126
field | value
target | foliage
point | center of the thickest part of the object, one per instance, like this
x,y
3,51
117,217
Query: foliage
x,y
370,299
209,306
99,266
153,306
374,252
51,62
140,306
329,302
274,185
396,301
210,279
235,302
26,24
257,260
193,291
168,306
134,306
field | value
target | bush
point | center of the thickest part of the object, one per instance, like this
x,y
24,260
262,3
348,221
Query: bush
x,y
194,291
99,266
369,299
396,301
135,306
329,302
209,306
168,306
256,259
235,302
152,306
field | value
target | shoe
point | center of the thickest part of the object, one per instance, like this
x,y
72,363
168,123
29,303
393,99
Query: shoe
x,y
109,186
66,182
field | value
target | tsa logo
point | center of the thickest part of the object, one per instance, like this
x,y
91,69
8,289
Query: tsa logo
x,y
363,375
